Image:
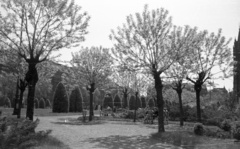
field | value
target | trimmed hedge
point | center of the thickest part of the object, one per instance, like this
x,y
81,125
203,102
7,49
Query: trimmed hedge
x,y
143,102
75,101
60,100
108,101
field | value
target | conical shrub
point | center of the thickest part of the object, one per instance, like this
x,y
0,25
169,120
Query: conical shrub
x,y
42,103
132,103
60,100
117,101
108,101
143,102
75,101
36,103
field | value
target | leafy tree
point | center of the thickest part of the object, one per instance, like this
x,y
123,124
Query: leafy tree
x,y
182,39
143,43
36,28
42,103
117,101
94,67
60,100
75,101
211,53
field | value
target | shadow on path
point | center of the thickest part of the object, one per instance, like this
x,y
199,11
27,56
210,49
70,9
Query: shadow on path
x,y
128,142
170,140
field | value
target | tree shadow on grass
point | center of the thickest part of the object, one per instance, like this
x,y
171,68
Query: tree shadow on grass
x,y
50,142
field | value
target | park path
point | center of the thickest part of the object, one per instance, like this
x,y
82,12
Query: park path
x,y
108,134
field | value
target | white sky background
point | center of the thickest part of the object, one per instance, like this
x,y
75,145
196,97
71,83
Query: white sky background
x,y
205,14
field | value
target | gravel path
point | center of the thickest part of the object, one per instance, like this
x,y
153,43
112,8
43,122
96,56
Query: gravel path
x,y
118,135
109,134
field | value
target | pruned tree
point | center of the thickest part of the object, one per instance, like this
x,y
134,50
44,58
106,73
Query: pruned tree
x,y
182,39
36,28
143,42
117,101
211,59
94,66
60,100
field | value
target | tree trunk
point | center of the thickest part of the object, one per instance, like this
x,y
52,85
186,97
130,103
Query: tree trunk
x,y
135,108
180,107
20,103
160,101
22,89
125,94
31,78
15,107
91,90
198,90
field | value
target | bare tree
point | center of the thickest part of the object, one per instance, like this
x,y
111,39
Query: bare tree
x,y
36,28
143,43
94,68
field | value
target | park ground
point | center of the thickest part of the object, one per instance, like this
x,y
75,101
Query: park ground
x,y
102,133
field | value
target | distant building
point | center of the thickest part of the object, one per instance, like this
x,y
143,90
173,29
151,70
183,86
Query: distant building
x,y
236,77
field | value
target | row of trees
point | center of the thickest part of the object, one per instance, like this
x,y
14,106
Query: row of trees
x,y
147,48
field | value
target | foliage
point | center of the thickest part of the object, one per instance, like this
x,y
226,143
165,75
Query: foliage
x,y
60,99
198,129
117,101
75,101
20,134
225,125
42,103
236,131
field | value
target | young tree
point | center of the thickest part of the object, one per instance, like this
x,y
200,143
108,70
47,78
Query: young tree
x,y
94,67
36,28
182,39
143,43
210,56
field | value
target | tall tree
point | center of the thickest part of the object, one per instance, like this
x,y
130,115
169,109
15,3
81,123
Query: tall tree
x,y
143,42
94,67
211,57
36,28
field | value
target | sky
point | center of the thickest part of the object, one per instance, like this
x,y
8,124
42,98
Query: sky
x,y
204,14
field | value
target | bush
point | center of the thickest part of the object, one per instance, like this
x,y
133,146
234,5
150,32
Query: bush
x,y
216,121
20,133
198,129
128,114
132,103
75,101
42,103
60,100
0,113
143,102
236,130
225,125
